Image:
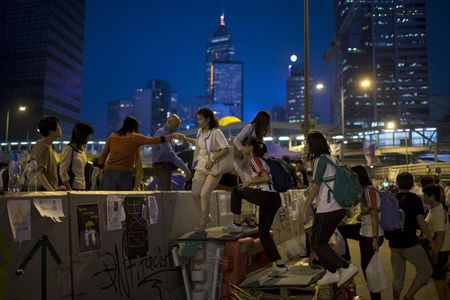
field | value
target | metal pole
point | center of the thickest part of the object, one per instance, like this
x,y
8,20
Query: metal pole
x,y
342,116
306,76
7,126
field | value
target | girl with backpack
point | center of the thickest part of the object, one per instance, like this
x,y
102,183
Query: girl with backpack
x,y
328,214
260,191
371,233
72,165
438,223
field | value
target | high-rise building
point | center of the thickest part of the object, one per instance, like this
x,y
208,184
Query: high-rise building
x,y
142,99
295,85
278,114
220,48
173,107
160,102
118,110
41,59
384,43
227,88
223,76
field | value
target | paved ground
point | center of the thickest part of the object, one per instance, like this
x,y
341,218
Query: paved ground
x,y
428,292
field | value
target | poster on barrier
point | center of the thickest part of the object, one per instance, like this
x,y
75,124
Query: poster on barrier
x,y
153,210
115,213
136,226
51,208
20,219
88,226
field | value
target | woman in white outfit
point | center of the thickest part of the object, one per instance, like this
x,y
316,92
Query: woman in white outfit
x,y
210,147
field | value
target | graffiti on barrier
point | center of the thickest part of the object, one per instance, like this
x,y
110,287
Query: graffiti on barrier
x,y
123,275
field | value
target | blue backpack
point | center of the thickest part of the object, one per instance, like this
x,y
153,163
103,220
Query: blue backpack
x,y
281,177
346,189
392,216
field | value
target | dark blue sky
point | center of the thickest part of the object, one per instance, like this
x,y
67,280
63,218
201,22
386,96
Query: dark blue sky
x,y
128,42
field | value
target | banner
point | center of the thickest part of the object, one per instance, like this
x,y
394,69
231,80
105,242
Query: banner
x,y
20,219
51,208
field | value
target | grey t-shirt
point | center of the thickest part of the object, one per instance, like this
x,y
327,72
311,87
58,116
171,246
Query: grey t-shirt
x,y
45,158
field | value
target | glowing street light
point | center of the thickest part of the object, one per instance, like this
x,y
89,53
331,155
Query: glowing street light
x,y
365,83
320,86
390,125
20,108
294,58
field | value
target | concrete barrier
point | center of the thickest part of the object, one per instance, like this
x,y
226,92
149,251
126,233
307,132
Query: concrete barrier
x,y
132,262
14,254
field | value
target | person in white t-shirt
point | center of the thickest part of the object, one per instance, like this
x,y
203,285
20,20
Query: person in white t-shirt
x,y
210,147
260,191
328,214
438,223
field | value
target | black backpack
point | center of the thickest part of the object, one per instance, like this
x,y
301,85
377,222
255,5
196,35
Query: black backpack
x,y
281,176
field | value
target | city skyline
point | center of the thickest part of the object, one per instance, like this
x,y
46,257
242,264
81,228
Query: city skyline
x,y
177,51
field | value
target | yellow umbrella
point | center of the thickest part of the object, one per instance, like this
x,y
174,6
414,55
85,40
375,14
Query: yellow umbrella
x,y
225,121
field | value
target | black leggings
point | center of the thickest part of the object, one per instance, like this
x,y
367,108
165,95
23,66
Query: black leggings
x,y
269,203
323,228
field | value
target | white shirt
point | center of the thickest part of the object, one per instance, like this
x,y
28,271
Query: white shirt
x,y
325,198
370,201
259,166
78,160
208,143
437,220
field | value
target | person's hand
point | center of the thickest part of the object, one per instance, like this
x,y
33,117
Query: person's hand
x,y
209,164
61,188
179,136
243,185
375,244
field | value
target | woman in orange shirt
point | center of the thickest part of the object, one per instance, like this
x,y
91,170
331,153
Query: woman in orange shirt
x,y
120,152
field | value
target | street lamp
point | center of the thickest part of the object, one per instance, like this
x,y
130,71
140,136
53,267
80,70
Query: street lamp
x,y
320,86
20,108
365,84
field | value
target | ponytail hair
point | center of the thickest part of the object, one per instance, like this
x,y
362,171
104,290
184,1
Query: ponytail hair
x,y
259,148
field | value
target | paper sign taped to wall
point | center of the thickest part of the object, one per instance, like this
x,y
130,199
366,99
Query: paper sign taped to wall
x,y
20,219
153,210
51,208
115,213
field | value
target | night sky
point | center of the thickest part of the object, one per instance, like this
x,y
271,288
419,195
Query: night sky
x,y
129,42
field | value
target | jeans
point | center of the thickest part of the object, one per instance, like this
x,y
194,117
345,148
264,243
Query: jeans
x,y
114,180
416,256
269,203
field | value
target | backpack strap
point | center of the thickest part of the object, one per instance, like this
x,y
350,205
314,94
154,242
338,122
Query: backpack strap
x,y
330,178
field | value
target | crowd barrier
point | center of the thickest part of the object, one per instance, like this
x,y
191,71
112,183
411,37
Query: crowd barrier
x,y
97,252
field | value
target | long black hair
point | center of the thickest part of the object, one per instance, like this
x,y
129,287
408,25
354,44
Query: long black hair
x,y
130,124
317,145
259,148
209,116
363,176
262,124
80,134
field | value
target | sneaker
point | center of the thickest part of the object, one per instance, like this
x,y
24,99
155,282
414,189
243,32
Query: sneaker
x,y
329,278
346,274
232,228
278,271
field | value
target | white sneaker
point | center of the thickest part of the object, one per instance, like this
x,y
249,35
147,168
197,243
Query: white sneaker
x,y
346,274
329,278
232,228
278,271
